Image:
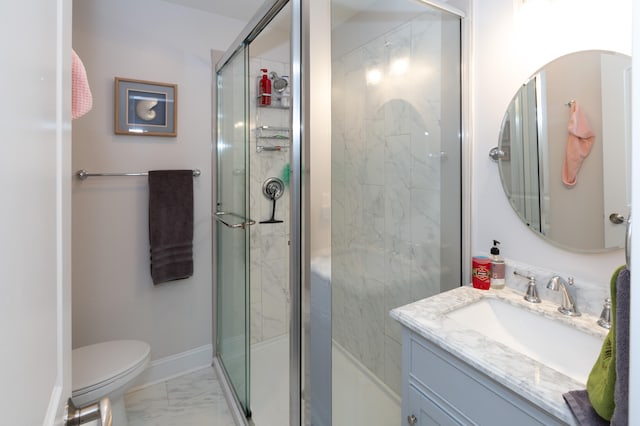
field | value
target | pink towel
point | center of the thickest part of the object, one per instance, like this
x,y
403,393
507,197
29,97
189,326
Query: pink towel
x,y
81,99
579,143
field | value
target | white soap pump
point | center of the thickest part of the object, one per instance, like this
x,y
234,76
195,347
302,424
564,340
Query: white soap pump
x,y
497,267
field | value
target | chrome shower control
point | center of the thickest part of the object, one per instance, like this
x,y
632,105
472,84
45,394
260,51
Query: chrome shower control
x,y
272,189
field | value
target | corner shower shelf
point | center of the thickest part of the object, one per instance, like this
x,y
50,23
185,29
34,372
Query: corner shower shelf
x,y
271,134
262,129
273,148
275,105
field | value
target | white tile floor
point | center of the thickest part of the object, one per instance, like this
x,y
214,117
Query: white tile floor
x,y
195,399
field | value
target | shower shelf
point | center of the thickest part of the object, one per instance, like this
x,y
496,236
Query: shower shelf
x,y
280,137
271,148
272,106
271,138
272,129
272,133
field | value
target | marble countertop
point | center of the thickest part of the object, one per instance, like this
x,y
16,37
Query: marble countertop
x,y
534,381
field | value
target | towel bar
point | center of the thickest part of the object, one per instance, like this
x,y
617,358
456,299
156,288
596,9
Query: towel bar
x,y
83,174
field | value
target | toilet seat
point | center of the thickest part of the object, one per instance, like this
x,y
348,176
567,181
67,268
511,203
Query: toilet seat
x,y
108,364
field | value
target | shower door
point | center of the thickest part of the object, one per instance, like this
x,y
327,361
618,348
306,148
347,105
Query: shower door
x,y
232,337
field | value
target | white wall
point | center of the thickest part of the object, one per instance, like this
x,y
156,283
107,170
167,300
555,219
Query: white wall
x,y
113,296
508,47
35,156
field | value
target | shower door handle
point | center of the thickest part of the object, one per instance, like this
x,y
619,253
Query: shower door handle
x,y
243,224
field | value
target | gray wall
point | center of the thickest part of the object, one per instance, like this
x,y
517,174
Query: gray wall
x,y
563,85
113,296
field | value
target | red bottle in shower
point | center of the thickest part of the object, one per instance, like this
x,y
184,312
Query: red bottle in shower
x,y
265,88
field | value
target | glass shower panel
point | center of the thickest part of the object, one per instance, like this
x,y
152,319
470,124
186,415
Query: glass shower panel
x,y
269,153
396,189
232,221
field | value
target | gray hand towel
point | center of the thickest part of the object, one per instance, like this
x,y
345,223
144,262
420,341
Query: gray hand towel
x,y
171,224
621,389
578,401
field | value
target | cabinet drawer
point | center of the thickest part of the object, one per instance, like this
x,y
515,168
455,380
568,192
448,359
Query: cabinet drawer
x,y
426,411
472,395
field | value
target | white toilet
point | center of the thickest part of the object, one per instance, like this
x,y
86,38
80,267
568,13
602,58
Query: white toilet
x,y
107,369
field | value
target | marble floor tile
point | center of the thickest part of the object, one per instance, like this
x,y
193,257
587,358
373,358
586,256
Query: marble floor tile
x,y
193,399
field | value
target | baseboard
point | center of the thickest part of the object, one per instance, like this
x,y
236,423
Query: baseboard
x,y
176,365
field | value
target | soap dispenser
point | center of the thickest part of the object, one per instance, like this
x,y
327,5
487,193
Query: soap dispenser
x,y
497,267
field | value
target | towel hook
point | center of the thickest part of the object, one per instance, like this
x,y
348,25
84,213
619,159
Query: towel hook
x,y
571,102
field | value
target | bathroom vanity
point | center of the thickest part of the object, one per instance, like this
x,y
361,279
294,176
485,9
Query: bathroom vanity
x,y
489,357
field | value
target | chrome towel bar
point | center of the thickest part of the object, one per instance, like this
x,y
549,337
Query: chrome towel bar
x,y
83,174
245,221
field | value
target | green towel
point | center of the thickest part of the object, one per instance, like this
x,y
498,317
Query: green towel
x,y
602,378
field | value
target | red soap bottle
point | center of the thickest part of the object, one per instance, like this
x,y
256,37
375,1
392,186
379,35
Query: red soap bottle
x,y
265,88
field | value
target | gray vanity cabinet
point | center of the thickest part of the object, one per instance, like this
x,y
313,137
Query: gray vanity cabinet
x,y
440,389
424,411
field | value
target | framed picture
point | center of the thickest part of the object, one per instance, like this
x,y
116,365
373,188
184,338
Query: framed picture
x,y
145,108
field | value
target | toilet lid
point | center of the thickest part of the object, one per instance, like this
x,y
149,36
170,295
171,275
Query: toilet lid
x,y
102,362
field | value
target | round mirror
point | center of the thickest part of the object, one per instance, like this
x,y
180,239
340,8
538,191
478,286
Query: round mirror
x,y
565,139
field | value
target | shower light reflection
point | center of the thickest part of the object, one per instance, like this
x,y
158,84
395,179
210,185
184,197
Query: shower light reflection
x,y
374,76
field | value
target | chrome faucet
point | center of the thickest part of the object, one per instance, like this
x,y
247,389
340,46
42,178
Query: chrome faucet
x,y
568,307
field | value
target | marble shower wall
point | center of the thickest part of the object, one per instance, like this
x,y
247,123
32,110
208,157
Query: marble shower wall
x,y
269,270
385,188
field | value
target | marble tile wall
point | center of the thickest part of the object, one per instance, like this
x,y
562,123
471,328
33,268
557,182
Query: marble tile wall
x,y
385,189
589,295
269,253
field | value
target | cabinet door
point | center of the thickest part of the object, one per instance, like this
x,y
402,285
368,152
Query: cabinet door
x,y
426,412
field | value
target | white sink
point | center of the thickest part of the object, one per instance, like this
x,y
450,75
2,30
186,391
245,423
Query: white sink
x,y
568,350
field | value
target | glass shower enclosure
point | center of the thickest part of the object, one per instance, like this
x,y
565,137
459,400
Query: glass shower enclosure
x,y
252,218
383,194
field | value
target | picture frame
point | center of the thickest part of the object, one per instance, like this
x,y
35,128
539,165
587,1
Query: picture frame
x,y
145,108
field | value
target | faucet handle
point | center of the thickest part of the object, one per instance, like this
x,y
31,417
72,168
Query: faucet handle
x,y
605,315
532,290
527,275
